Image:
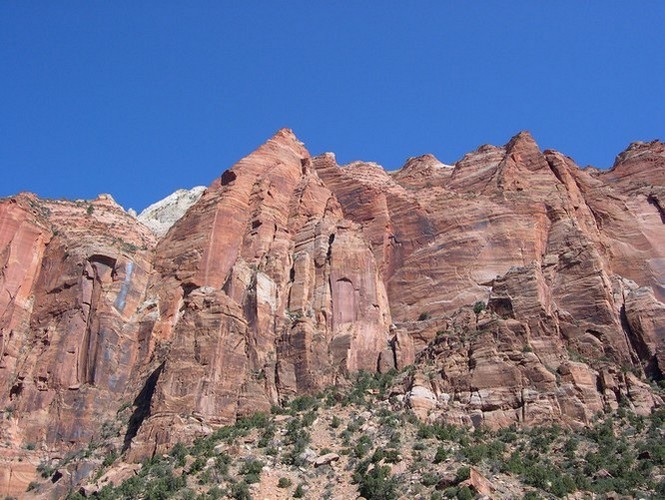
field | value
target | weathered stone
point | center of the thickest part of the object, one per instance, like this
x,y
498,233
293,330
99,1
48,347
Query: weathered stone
x,y
326,459
478,483
524,289
161,216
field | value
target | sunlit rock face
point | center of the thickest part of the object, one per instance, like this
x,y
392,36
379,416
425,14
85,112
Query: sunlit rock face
x,y
523,288
161,216
263,291
555,251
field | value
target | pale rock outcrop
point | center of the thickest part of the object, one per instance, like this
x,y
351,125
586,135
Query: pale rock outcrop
x,y
161,215
326,459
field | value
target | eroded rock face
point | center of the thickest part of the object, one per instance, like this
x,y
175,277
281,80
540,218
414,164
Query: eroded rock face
x,y
161,216
265,291
556,251
290,272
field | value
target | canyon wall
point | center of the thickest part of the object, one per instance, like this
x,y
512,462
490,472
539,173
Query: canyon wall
x,y
521,288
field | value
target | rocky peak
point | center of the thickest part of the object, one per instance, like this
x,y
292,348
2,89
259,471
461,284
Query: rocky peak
x,y
638,167
641,148
422,171
516,167
523,141
282,150
524,154
161,215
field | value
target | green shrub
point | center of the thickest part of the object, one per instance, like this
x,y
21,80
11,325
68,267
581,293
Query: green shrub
x,y
131,488
475,453
303,403
377,484
240,491
450,492
428,479
463,473
258,420
562,485
440,455
222,462
395,440
45,470
215,493
252,478
464,493
267,434
392,456
538,476
363,446
299,492
197,465
479,307
309,418
570,447
179,452
284,482
251,466
188,494
109,459
272,451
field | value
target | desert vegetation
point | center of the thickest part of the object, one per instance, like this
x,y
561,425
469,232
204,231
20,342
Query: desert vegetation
x,y
362,440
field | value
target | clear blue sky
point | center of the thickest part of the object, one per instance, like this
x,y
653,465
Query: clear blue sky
x,y
141,98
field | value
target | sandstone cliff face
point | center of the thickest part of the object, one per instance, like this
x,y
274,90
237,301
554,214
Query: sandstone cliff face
x,y
554,250
263,291
289,272
73,279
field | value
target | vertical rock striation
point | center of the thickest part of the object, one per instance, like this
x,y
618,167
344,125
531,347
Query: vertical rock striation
x,y
524,289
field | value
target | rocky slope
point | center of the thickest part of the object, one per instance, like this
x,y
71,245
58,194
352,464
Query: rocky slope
x,y
364,440
524,289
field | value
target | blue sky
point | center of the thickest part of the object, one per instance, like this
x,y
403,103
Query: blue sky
x,y
138,99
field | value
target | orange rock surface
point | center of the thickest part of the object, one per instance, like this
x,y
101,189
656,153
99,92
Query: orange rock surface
x,y
290,272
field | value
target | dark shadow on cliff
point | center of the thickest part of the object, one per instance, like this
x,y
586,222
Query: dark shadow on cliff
x,y
142,407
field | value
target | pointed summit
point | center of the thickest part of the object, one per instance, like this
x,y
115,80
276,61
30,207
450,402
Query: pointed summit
x,y
285,133
285,140
283,148
523,141
286,137
523,151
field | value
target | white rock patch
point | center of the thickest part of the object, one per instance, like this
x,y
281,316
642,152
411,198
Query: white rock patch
x,y
162,215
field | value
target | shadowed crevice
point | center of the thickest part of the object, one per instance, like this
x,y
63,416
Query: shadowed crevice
x,y
654,201
142,407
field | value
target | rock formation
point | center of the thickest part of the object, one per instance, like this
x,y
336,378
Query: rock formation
x,y
161,216
524,289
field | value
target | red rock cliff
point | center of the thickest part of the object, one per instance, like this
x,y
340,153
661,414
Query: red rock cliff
x,y
291,272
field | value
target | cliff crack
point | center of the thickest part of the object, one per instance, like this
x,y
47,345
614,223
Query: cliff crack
x,y
656,203
142,404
